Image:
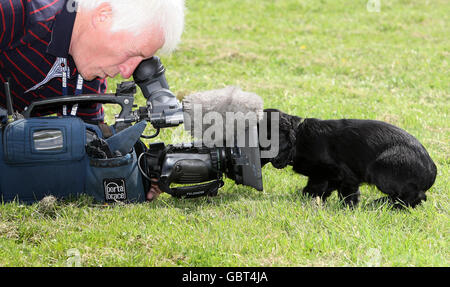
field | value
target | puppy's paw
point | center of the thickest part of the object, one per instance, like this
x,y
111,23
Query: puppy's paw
x,y
350,199
311,192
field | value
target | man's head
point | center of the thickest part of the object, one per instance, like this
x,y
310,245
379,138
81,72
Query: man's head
x,y
114,36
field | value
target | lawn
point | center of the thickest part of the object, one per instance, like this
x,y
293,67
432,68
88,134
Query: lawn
x,y
326,59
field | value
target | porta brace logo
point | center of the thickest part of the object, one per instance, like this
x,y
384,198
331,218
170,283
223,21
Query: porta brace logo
x,y
115,189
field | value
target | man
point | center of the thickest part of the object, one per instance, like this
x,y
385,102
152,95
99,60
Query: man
x,y
53,48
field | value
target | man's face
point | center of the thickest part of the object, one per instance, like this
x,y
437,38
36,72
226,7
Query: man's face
x,y
98,52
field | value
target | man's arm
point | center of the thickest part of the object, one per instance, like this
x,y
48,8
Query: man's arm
x,y
14,15
12,21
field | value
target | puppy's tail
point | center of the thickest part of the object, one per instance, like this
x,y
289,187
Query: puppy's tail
x,y
431,177
421,196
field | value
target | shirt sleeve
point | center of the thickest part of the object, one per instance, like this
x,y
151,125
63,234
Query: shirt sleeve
x,y
12,22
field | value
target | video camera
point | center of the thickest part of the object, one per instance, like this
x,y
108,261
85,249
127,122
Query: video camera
x,y
195,169
187,163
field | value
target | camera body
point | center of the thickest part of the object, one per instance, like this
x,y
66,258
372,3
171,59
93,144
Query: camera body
x,y
200,168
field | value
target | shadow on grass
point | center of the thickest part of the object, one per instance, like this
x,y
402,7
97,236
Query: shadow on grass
x,y
369,203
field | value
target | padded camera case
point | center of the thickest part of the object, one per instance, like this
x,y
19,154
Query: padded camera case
x,y
47,156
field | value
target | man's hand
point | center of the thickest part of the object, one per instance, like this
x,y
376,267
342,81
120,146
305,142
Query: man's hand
x,y
154,191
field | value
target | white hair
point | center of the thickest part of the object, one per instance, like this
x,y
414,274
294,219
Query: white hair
x,y
136,15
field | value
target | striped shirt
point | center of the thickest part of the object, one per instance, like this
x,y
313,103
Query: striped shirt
x,y
33,33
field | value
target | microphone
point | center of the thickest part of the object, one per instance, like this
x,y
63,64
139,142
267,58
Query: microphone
x,y
223,116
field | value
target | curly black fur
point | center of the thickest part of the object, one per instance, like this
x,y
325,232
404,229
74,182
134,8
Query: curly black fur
x,y
342,154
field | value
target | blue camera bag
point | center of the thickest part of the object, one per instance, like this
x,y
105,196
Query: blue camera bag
x,y
47,156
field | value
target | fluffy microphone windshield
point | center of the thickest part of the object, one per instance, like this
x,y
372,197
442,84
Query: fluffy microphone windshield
x,y
218,115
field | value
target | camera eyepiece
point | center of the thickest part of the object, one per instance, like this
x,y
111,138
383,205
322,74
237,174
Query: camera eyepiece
x,y
150,73
163,109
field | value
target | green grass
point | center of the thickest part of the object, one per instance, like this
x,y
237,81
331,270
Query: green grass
x,y
314,58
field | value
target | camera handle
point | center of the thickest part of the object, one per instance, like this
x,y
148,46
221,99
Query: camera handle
x,y
123,97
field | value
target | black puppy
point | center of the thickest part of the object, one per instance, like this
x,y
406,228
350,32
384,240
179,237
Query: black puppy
x,y
342,154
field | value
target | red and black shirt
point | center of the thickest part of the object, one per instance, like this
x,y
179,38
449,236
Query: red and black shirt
x,y
33,33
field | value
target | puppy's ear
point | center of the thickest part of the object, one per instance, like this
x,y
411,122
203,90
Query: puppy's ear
x,y
293,137
295,121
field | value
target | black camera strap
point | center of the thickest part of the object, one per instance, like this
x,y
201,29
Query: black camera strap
x,y
199,190
152,161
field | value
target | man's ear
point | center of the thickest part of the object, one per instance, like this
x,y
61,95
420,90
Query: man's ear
x,y
102,16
